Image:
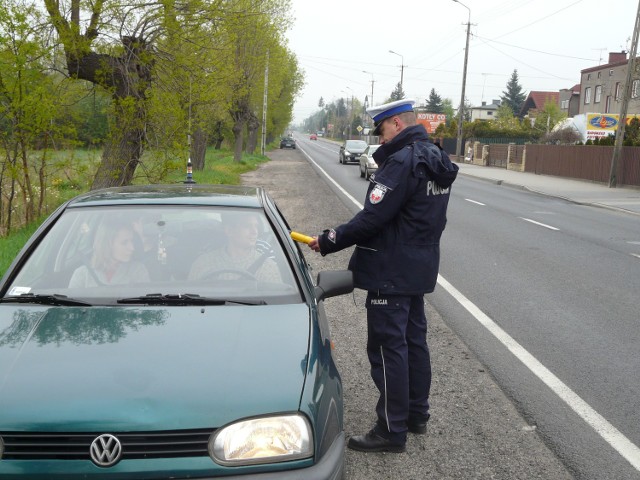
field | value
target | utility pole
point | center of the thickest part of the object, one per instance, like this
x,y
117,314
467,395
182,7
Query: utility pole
x,y
401,68
617,149
464,84
372,82
264,105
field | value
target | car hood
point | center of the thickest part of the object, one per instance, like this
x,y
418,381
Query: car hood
x,y
136,369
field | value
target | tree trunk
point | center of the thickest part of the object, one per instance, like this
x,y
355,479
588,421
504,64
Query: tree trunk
x,y
198,149
129,76
253,126
218,137
238,130
240,114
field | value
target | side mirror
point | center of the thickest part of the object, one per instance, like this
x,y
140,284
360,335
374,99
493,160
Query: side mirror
x,y
332,283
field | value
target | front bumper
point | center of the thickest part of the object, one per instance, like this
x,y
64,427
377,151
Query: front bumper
x,y
330,467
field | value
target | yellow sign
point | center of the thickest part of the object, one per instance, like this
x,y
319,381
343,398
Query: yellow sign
x,y
603,124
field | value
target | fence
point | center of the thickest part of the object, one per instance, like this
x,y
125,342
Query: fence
x,y
585,162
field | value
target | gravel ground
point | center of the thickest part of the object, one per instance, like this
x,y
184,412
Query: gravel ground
x,y
475,432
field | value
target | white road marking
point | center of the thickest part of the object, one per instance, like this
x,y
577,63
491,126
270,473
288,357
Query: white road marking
x,y
473,201
538,223
636,255
342,190
608,432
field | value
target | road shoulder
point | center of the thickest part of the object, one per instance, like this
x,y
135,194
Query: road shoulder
x,y
475,430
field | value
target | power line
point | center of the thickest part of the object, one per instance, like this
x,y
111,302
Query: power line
x,y
533,50
540,19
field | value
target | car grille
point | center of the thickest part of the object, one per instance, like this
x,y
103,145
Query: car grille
x,y
135,445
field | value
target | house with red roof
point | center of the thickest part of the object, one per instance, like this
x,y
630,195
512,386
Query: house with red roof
x,y
535,101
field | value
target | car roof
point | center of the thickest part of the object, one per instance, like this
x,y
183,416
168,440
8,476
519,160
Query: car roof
x,y
177,194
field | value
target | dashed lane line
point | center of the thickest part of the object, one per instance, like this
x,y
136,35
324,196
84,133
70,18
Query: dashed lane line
x,y
538,223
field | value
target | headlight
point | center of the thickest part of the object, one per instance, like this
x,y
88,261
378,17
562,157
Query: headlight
x,y
347,154
262,440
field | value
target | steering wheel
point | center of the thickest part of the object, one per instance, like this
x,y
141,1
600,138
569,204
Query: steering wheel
x,y
214,274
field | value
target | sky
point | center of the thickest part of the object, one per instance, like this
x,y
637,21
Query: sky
x,y
344,45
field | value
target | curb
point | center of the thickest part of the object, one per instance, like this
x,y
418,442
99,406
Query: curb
x,y
496,181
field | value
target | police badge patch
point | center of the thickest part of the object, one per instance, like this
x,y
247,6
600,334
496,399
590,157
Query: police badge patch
x,y
377,194
332,235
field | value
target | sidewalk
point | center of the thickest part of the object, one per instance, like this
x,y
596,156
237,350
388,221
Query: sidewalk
x,y
578,191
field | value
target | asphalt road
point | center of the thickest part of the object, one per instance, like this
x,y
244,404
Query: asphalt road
x,y
550,289
475,431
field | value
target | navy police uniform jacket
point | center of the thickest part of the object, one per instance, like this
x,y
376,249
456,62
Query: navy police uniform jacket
x,y
397,233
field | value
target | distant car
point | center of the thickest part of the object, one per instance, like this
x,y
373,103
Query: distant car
x,y
224,374
287,142
320,133
313,137
351,150
367,164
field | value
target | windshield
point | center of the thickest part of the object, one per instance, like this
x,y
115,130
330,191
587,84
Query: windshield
x,y
356,144
101,255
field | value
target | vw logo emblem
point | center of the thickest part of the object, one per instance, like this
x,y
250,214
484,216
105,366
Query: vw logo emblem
x,y
105,450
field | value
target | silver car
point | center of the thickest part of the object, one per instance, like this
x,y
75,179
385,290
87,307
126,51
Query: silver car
x,y
367,164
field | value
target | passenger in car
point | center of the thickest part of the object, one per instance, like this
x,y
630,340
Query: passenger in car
x,y
111,262
242,255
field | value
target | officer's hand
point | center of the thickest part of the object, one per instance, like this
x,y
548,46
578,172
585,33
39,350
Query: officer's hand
x,y
314,244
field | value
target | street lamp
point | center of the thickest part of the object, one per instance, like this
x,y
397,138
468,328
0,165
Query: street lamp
x,y
401,65
464,84
372,82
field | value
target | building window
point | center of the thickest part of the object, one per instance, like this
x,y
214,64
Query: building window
x,y
598,94
617,91
489,113
607,106
588,76
635,89
587,95
599,74
611,72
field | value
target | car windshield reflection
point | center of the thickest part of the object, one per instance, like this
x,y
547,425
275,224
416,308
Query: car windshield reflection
x,y
100,255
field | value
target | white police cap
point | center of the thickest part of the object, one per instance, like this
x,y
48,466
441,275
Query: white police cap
x,y
380,113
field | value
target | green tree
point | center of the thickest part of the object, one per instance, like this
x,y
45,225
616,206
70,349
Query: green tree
x,y
514,97
434,102
448,110
505,119
397,94
548,117
31,113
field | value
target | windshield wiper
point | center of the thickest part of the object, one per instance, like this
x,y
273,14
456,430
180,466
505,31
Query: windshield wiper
x,y
55,299
185,299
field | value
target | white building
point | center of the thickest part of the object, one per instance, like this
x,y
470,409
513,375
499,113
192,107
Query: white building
x,y
484,111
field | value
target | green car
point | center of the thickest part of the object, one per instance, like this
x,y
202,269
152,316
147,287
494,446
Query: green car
x,y
168,332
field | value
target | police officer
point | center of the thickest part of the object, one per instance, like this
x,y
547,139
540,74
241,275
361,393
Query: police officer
x,y
396,260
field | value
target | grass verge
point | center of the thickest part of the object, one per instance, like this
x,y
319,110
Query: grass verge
x,y
220,168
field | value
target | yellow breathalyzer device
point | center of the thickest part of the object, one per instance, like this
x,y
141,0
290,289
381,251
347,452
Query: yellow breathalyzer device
x,y
299,237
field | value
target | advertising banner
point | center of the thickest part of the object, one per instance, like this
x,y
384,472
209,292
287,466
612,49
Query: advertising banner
x,y
601,124
431,120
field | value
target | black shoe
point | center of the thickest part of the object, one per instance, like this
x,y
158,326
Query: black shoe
x,y
418,425
372,442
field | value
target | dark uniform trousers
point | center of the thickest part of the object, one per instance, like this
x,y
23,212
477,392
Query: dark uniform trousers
x,y
400,361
